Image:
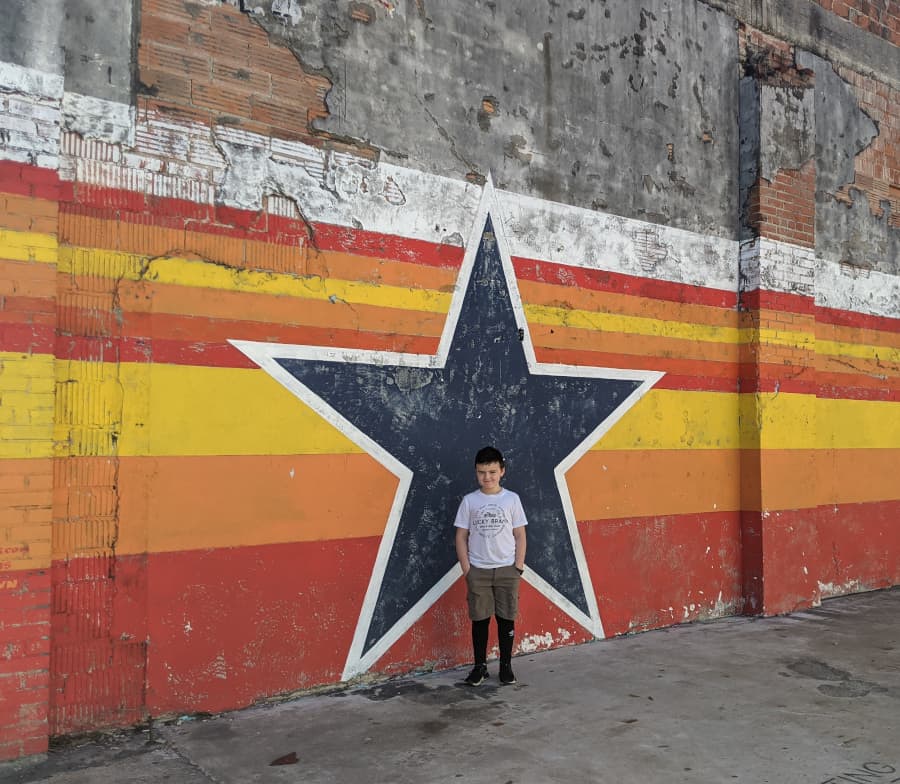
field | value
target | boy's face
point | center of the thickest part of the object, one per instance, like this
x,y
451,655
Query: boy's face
x,y
489,475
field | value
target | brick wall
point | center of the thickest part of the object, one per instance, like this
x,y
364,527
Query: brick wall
x,y
879,17
28,219
784,209
215,65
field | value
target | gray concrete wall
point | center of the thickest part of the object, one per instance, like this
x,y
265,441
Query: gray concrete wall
x,y
623,107
90,42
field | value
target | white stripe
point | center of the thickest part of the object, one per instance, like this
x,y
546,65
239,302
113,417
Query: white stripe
x,y
579,237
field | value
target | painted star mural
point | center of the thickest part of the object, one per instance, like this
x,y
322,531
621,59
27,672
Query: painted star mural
x,y
424,416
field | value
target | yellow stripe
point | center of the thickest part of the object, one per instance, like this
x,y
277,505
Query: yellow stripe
x,y
156,409
635,325
858,424
26,405
670,419
28,246
199,274
639,325
184,410
860,350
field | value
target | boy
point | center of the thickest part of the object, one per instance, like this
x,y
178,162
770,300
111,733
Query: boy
x,y
490,545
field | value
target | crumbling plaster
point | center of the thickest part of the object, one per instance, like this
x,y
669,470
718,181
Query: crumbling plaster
x,y
621,107
846,233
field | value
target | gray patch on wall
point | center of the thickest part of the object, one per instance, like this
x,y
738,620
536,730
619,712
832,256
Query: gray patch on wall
x,y
30,34
625,107
90,41
787,129
851,234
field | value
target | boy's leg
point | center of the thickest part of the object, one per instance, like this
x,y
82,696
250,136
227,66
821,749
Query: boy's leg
x,y
506,635
507,608
481,608
480,640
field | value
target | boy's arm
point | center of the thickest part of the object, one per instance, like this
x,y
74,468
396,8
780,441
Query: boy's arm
x,y
462,549
519,536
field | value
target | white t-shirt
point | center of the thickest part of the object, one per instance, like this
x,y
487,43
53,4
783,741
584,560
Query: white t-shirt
x,y
490,520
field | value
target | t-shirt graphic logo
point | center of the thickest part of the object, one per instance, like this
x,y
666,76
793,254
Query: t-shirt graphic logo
x,y
490,521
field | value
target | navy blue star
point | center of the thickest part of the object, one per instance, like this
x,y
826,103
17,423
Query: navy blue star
x,y
424,417
433,419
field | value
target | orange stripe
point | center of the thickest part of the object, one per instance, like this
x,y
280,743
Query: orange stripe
x,y
242,306
861,335
27,279
859,380
24,213
562,337
683,367
196,331
606,485
194,503
877,368
598,301
859,475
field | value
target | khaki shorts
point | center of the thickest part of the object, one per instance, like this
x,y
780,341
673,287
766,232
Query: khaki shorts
x,y
493,592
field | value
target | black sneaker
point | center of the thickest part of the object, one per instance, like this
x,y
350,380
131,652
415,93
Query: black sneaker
x,y
507,676
477,676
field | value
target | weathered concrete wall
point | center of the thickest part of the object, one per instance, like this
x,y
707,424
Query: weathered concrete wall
x,y
31,35
610,106
847,228
89,43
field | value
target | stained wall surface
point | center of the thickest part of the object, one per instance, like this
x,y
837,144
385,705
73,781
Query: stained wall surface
x,y
272,272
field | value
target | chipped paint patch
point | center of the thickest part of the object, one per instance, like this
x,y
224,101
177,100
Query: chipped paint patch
x,y
531,643
827,590
95,118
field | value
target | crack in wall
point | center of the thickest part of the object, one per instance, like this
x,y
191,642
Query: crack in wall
x,y
445,135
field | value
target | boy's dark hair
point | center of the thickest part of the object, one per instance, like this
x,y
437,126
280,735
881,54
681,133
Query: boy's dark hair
x,y
489,454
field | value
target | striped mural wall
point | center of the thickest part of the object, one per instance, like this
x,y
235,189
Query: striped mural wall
x,y
208,538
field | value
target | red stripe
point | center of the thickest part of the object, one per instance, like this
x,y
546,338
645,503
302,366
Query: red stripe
x,y
388,246
848,318
857,548
749,382
270,607
651,572
27,338
132,207
25,180
619,283
777,300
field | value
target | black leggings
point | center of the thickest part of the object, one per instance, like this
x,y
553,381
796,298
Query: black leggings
x,y
506,633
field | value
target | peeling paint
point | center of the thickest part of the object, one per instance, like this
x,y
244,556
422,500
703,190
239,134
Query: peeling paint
x,y
531,643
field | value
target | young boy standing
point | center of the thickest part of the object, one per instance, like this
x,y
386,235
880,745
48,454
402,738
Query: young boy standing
x,y
490,545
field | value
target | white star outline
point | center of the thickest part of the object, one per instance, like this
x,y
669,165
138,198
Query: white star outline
x,y
265,355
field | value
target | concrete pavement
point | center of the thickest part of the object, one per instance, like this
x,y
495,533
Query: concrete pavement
x,y
807,698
